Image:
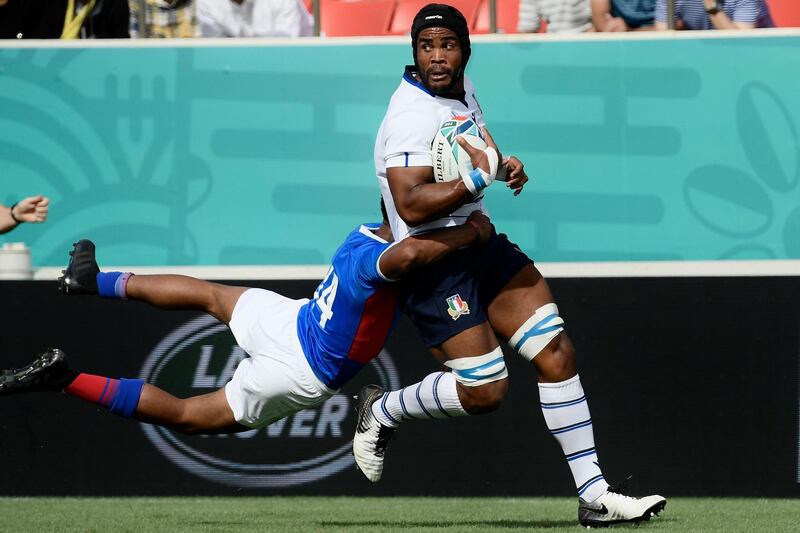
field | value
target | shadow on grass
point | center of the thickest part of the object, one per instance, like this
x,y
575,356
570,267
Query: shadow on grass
x,y
501,524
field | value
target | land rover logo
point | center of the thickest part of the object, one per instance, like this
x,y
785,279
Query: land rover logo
x,y
200,357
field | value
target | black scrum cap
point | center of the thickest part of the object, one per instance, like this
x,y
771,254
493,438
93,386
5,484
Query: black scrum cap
x,y
442,16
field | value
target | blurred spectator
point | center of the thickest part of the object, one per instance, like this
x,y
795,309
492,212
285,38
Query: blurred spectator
x,y
715,14
32,209
95,19
254,18
163,18
66,19
623,15
561,16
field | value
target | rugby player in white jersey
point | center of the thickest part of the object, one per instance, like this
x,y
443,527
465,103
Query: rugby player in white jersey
x,y
300,351
464,303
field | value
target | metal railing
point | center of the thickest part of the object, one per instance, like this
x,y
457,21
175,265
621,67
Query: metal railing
x,y
670,14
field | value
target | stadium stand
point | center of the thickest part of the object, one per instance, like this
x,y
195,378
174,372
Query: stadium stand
x,y
785,13
507,17
406,9
362,17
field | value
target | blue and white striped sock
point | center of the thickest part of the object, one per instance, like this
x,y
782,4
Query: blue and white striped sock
x,y
567,415
436,396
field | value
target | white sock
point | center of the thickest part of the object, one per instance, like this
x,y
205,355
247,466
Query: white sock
x,y
436,396
567,415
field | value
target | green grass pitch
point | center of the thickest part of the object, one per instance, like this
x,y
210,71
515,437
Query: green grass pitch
x,y
347,514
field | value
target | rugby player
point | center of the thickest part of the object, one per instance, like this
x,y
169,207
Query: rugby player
x,y
464,303
300,351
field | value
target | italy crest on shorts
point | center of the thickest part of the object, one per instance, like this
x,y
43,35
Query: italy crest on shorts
x,y
457,307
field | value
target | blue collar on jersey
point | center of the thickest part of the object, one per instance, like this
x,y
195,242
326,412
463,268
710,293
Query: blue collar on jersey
x,y
408,75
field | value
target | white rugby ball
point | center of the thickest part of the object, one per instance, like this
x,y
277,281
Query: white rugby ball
x,y
450,161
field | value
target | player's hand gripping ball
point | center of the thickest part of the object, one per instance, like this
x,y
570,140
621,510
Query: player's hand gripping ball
x,y
450,161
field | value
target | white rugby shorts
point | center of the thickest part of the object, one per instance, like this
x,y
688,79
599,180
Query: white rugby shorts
x,y
276,380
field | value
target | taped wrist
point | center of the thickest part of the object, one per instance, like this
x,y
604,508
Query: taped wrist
x,y
478,179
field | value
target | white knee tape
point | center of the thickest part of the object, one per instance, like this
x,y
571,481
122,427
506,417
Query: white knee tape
x,y
537,331
480,370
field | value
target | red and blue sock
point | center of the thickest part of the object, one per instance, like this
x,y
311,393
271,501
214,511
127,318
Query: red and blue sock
x,y
113,284
120,396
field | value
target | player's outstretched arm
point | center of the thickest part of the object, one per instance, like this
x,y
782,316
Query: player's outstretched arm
x,y
421,250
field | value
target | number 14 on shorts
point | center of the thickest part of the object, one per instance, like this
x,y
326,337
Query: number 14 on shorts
x,y
324,296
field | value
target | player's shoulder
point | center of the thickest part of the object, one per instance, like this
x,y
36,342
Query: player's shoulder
x,y
412,111
356,259
364,236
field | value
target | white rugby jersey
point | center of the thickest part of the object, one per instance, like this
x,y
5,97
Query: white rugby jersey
x,y
405,137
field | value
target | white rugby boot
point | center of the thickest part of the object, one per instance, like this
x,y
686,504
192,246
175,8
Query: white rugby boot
x,y
372,437
612,507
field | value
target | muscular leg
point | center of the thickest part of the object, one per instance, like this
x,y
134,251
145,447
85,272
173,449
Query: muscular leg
x,y
476,385
183,292
561,395
515,304
445,394
132,398
208,413
475,341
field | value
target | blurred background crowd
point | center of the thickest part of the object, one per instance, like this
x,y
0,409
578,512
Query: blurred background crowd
x,y
87,19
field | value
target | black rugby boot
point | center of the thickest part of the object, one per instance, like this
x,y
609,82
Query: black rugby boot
x,y
48,372
80,277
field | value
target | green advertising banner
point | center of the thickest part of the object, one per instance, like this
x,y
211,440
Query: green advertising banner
x,y
250,154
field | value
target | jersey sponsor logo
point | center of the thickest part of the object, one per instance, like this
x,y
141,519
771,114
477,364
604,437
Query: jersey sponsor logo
x,y
200,357
457,307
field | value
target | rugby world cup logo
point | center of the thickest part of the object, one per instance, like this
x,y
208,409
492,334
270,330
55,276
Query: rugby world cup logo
x,y
200,357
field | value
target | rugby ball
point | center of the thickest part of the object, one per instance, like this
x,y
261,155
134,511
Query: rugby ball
x,y
450,161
